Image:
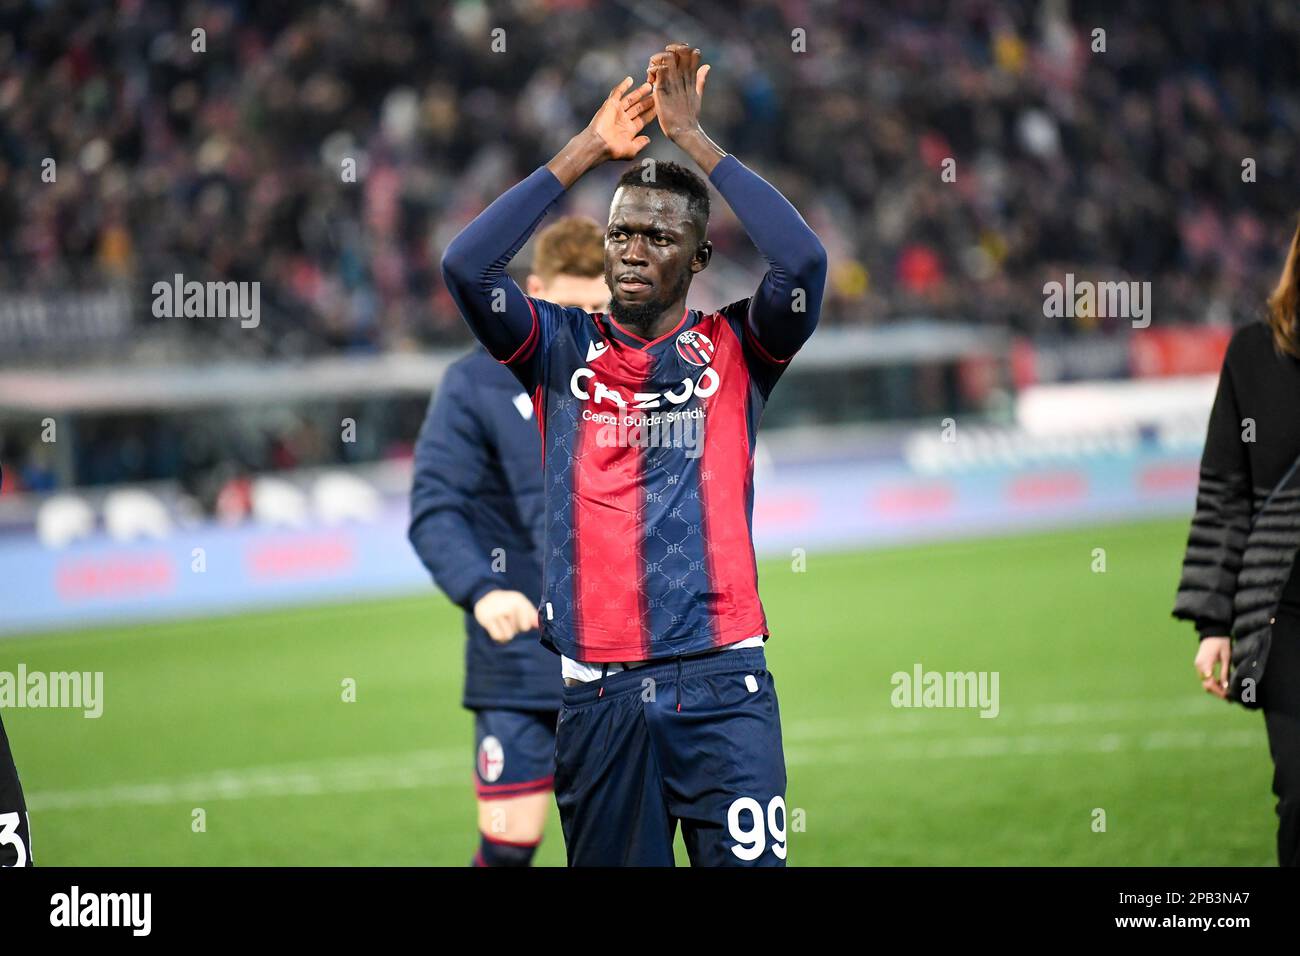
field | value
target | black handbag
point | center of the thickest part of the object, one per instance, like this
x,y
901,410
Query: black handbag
x,y
1250,655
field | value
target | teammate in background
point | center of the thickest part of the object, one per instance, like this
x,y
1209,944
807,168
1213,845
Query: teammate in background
x,y
15,830
476,511
650,589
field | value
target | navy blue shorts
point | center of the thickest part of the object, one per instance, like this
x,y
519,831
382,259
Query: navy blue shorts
x,y
695,741
514,752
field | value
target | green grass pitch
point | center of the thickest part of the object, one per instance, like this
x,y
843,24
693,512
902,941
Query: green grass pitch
x,y
1100,712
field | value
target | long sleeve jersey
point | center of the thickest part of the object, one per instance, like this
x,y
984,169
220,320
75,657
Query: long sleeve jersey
x,y
648,445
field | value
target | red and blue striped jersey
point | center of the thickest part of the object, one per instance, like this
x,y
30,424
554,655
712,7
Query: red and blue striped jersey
x,y
648,446
648,456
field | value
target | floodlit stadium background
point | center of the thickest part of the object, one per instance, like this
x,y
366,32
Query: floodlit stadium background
x,y
948,477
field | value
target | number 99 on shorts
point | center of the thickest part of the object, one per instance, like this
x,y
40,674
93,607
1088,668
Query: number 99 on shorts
x,y
754,830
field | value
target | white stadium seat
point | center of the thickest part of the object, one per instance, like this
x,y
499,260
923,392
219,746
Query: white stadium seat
x,y
338,497
131,514
278,502
64,519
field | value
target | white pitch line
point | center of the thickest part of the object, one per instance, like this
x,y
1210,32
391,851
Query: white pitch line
x,y
1024,745
906,720
404,771
814,743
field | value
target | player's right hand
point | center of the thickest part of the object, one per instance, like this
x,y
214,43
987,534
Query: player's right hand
x,y
621,118
1214,650
503,614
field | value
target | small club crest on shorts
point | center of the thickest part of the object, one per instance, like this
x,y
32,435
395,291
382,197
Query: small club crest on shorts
x,y
491,759
695,347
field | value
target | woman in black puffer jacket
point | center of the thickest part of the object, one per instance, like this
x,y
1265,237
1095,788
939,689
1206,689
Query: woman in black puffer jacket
x,y
1236,581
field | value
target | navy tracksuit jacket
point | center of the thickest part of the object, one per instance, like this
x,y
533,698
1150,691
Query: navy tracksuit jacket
x,y
476,502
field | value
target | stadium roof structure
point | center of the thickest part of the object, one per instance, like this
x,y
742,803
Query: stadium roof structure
x,y
115,389
171,387
913,340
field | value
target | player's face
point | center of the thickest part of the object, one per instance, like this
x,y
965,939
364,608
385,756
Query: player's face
x,y
589,293
652,249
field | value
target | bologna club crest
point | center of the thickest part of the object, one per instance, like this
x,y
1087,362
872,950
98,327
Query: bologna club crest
x,y
491,759
695,347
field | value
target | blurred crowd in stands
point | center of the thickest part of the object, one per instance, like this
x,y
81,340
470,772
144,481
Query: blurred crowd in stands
x,y
228,163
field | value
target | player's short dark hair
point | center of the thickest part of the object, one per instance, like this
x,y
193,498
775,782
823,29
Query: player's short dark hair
x,y
676,178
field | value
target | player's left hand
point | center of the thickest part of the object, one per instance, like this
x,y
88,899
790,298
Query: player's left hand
x,y
678,82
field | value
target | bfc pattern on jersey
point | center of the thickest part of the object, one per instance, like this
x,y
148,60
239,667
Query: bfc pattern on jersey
x,y
648,461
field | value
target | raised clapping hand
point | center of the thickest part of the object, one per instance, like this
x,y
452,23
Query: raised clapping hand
x,y
621,118
678,81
